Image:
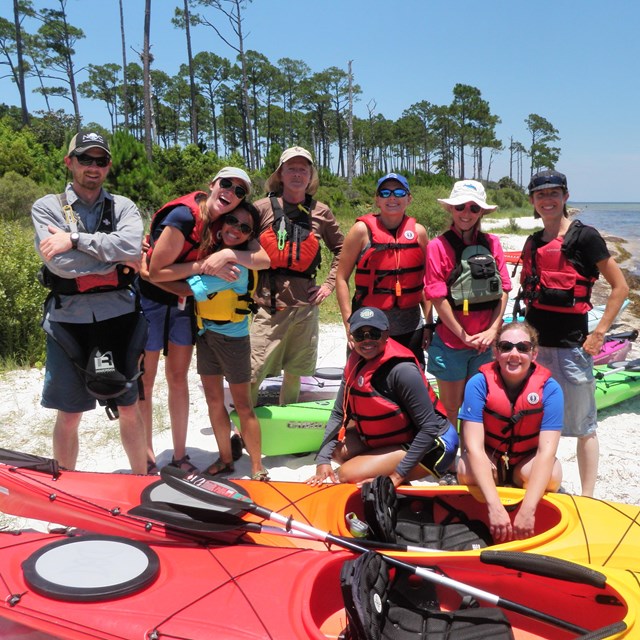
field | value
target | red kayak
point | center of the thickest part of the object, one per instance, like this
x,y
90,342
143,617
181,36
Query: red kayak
x,y
453,518
89,587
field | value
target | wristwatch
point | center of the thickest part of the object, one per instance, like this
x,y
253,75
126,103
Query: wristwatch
x,y
75,237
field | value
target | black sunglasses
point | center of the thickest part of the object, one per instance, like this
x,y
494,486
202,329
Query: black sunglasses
x,y
86,160
504,346
240,192
473,207
232,221
359,335
387,193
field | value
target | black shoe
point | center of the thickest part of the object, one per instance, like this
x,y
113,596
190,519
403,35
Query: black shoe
x,y
237,444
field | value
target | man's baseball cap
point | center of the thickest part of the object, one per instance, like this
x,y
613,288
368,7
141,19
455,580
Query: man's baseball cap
x,y
368,317
85,140
547,180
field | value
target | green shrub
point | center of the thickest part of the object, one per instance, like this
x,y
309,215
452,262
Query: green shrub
x,y
21,296
17,194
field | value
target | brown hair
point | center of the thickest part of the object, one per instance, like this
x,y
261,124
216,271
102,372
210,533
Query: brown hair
x,y
209,242
525,326
274,182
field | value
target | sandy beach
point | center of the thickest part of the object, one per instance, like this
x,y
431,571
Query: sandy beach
x,y
26,426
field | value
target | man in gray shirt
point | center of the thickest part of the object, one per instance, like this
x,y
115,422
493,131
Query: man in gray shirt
x,y
90,243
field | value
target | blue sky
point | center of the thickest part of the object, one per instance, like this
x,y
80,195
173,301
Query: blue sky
x,y
574,62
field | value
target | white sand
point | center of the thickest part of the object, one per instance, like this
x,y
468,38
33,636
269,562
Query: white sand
x,y
26,426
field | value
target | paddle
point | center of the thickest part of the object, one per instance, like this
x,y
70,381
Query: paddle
x,y
618,367
189,518
209,490
631,336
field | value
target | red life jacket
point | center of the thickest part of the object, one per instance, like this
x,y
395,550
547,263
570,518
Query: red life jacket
x,y
513,430
390,269
550,280
379,420
189,251
291,244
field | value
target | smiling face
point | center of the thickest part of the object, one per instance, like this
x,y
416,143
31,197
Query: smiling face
x,y
514,352
222,200
295,175
369,347
236,228
466,219
393,205
549,203
89,178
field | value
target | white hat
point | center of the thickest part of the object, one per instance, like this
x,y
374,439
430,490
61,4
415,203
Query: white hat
x,y
294,152
234,172
468,191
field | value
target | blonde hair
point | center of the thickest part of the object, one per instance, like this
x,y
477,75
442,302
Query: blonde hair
x,y
274,182
525,326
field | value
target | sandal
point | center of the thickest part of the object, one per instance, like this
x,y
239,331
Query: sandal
x,y
448,479
237,444
261,476
152,468
220,467
183,463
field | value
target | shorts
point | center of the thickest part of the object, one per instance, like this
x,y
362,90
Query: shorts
x,y
573,369
64,387
438,460
451,365
286,341
220,355
179,323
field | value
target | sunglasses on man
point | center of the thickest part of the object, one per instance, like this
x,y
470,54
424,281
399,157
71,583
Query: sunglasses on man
x,y
240,192
86,160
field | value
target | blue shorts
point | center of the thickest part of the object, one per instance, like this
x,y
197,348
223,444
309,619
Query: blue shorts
x,y
177,325
64,388
451,365
438,460
573,369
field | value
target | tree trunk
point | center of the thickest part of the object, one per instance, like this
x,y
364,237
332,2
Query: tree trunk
x,y
146,65
21,87
125,86
193,111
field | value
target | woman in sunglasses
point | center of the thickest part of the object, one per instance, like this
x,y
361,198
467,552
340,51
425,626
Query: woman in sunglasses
x,y
223,347
386,419
469,308
182,239
391,242
511,424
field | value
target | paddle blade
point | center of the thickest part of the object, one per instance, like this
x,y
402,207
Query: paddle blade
x,y
206,489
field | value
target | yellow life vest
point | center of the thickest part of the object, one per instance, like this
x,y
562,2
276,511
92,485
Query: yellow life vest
x,y
228,306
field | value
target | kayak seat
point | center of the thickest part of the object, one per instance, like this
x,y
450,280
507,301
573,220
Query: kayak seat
x,y
385,603
393,518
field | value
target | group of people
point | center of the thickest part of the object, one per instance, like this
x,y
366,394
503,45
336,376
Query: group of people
x,y
211,261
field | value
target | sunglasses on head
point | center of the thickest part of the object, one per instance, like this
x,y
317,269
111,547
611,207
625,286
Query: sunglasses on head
x,y
473,207
86,160
552,181
240,192
359,335
504,346
232,221
387,193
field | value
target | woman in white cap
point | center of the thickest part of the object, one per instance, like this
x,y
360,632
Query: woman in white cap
x,y
467,281
284,331
177,231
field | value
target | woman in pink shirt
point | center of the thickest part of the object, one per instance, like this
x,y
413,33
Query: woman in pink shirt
x,y
467,281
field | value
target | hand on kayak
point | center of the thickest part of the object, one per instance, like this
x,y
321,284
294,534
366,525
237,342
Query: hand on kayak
x,y
323,471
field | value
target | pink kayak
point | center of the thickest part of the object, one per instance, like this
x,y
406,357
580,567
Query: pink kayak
x,y
616,347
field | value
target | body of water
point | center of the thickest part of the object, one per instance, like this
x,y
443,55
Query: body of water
x,y
621,219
